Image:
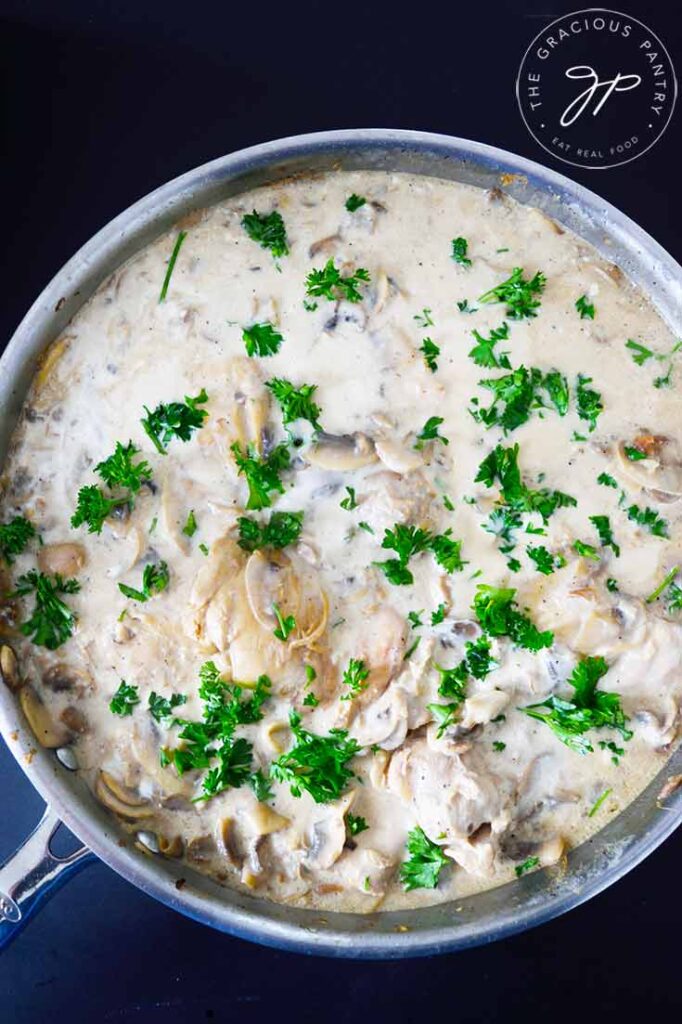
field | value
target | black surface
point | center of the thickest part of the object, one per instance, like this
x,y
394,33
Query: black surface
x,y
103,102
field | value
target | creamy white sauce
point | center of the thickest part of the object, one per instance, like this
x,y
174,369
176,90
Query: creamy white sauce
x,y
489,808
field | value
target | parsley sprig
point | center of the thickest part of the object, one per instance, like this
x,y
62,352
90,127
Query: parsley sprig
x,y
52,622
155,579
355,678
496,611
282,529
14,536
518,294
261,339
426,861
295,403
262,475
174,419
589,708
268,231
315,764
124,700
329,283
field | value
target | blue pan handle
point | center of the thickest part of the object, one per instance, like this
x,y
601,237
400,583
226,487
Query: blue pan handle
x,y
32,874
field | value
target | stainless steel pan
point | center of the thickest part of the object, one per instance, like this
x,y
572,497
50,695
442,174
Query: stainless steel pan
x,y
33,872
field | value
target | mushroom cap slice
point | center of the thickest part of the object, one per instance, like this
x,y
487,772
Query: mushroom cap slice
x,y
342,452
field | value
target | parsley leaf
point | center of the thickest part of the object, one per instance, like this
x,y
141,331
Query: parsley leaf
x,y
190,527
439,615
668,579
295,403
446,551
349,503
603,527
154,580
262,475
119,470
427,860
431,352
94,507
283,528
260,784
590,708
641,354
459,252
316,764
174,419
162,708
518,294
261,339
355,824
556,386
355,678
483,353
650,519
585,308
124,700
52,621
268,230
588,401
606,480
14,536
429,432
496,612
354,202
328,283
528,864
424,318
545,561
285,624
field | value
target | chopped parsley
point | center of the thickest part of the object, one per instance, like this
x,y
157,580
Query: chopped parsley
x,y
429,432
161,708
261,339
495,610
663,585
190,527
606,480
588,401
155,579
285,624
649,519
175,419
282,529
446,551
424,318
483,353
407,541
519,294
316,764
464,307
556,386
329,283
119,470
354,202
295,403
585,308
349,503
603,528
310,700
598,802
268,230
528,864
426,861
171,265
438,616
94,507
355,824
586,550
641,355
14,536
262,475
460,247
499,746
124,700
431,351
545,561
415,619
355,678
590,708
52,621
634,454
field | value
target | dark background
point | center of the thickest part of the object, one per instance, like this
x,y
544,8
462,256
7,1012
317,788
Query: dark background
x,y
103,101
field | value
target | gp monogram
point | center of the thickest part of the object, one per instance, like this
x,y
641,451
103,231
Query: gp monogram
x,y
596,88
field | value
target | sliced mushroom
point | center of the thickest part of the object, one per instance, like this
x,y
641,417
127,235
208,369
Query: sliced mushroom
x,y
170,847
200,849
483,707
66,559
328,246
49,733
9,668
341,453
251,403
74,719
384,722
276,579
118,798
263,821
327,836
61,678
397,457
656,472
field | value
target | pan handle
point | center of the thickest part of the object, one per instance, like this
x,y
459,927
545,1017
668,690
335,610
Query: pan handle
x,y
32,874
